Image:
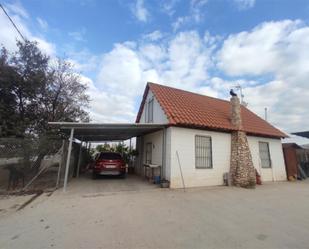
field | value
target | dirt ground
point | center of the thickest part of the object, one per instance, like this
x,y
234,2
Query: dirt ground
x,y
274,215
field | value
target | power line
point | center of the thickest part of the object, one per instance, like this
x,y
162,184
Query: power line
x,y
12,22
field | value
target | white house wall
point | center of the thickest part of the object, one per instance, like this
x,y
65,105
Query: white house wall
x,y
159,116
156,139
277,171
168,150
183,141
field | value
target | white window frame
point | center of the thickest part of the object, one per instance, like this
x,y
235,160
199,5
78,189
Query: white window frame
x,y
262,160
203,152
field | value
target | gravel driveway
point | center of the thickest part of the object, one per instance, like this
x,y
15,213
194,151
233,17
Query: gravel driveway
x,y
274,215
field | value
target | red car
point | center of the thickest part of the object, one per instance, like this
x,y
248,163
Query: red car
x,y
109,163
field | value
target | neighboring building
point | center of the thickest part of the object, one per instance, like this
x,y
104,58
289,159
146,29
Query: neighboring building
x,y
199,129
296,160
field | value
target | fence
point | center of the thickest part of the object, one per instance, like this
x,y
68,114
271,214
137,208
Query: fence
x,y
38,161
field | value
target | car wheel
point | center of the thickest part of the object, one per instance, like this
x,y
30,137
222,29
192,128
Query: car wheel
x,y
123,175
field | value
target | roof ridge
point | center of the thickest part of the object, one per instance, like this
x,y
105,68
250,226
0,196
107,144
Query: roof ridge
x,y
203,95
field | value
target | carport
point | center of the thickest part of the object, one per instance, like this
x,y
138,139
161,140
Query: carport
x,y
101,132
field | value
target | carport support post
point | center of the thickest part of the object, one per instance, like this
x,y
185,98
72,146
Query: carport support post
x,y
79,158
67,166
60,164
130,153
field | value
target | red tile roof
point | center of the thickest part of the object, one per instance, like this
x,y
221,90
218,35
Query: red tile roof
x,y
188,109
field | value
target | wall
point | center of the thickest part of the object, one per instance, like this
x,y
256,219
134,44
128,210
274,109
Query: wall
x,y
183,141
159,116
168,151
277,171
156,138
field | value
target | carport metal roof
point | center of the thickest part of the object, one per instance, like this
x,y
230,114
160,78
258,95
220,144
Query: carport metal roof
x,y
96,132
302,134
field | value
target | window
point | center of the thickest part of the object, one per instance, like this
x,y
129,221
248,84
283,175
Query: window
x,y
110,156
264,155
203,152
150,111
148,152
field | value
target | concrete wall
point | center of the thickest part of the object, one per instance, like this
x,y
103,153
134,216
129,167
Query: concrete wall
x,y
277,171
168,151
156,139
183,141
159,116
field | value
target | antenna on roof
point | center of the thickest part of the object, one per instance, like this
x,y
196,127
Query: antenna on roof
x,y
239,87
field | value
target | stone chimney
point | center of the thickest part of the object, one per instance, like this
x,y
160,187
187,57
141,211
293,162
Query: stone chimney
x,y
235,112
242,171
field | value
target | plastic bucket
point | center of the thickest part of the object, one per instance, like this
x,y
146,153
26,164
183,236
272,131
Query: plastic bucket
x,y
157,179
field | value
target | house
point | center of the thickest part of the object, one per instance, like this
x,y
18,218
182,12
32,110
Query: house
x,y
206,137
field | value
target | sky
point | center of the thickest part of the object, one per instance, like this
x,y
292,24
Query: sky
x,y
204,46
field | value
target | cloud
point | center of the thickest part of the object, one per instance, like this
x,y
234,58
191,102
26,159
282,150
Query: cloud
x,y
168,7
195,14
18,9
196,7
140,12
244,4
83,60
107,106
275,50
180,21
8,34
42,23
78,35
182,61
121,67
263,48
153,36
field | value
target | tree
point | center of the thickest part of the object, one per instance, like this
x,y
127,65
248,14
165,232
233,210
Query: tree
x,y
35,90
64,98
103,147
8,102
30,67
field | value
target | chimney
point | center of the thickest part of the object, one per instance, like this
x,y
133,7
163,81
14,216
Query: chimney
x,y
236,113
242,171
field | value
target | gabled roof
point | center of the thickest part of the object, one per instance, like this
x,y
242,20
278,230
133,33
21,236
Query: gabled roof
x,y
193,110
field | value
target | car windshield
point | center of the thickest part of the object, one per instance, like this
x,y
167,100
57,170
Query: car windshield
x,y
110,156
